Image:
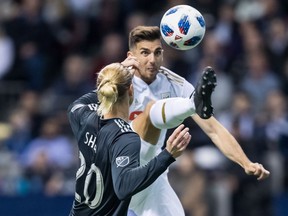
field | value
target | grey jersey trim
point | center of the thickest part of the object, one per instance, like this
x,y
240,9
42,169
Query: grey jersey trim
x,y
172,76
77,106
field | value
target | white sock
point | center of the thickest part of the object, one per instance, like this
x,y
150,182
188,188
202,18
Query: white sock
x,y
171,112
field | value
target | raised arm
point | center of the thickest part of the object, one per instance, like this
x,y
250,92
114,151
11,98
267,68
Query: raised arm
x,y
77,108
89,98
225,141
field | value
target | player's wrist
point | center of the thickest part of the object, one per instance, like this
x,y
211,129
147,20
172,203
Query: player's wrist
x,y
169,154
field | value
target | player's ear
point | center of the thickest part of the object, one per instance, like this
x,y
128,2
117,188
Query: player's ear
x,y
131,94
129,53
131,90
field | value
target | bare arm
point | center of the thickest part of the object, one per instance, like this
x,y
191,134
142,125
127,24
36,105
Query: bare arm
x,y
221,137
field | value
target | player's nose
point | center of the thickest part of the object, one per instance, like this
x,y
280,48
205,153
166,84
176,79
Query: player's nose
x,y
152,57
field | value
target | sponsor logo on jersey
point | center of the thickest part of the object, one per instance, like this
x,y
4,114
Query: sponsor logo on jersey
x,y
165,95
122,161
134,114
136,101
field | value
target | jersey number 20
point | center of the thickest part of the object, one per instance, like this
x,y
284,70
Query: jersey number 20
x,y
88,200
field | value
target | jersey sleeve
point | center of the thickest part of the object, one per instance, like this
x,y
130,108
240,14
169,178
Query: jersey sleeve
x,y
79,107
188,89
89,98
181,86
128,176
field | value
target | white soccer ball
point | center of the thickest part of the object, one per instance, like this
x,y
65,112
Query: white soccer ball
x,y
182,27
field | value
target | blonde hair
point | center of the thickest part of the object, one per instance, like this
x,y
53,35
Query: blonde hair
x,y
113,81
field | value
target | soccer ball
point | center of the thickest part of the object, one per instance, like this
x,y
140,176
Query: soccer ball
x,y
182,27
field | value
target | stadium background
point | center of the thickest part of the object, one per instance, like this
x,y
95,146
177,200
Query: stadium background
x,y
50,51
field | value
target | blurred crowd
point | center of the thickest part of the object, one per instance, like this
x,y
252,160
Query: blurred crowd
x,y
50,51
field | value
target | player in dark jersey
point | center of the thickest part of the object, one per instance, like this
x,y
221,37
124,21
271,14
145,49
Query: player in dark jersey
x,y
109,172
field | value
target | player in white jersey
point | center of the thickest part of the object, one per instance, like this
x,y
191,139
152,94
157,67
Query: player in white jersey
x,y
151,83
166,85
159,198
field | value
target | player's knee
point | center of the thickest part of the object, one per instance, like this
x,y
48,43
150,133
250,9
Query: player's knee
x,y
148,108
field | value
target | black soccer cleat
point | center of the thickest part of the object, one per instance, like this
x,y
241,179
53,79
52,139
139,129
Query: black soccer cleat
x,y
203,92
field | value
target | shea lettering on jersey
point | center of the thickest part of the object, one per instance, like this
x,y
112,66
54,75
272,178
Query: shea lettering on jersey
x,y
90,141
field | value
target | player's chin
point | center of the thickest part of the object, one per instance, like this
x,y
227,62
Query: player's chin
x,y
151,70
151,75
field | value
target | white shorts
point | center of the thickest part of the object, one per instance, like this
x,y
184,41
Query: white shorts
x,y
158,199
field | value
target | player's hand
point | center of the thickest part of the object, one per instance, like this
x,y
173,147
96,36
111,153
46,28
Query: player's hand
x,y
178,141
257,170
131,63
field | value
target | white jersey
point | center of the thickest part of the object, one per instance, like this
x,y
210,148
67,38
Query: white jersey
x,y
167,84
159,198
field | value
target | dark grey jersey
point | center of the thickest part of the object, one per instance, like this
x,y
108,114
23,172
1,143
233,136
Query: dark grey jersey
x,y
109,172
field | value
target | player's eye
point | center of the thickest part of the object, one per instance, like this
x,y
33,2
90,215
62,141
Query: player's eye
x,y
145,53
158,53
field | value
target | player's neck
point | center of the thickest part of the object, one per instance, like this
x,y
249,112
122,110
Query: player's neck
x,y
118,113
148,81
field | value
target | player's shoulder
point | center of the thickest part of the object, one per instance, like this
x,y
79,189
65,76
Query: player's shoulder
x,y
171,76
119,130
82,113
80,107
119,126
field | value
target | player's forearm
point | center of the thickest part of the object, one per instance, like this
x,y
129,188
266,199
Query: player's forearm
x,y
229,146
138,178
223,140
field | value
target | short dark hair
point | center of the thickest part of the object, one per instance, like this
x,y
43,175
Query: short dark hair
x,y
140,33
